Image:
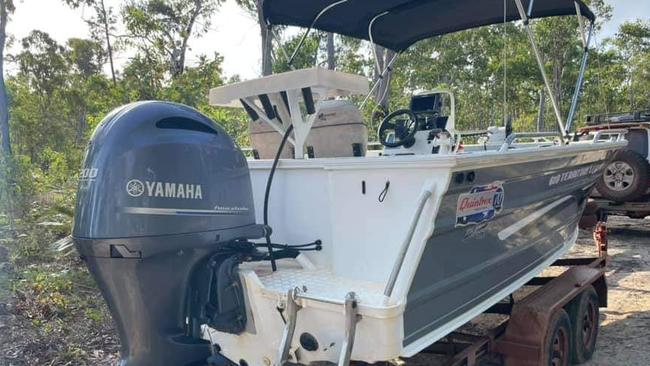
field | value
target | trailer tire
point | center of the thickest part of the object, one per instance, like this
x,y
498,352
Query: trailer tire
x,y
584,314
625,178
557,341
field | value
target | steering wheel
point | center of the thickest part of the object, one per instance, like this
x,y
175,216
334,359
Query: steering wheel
x,y
398,128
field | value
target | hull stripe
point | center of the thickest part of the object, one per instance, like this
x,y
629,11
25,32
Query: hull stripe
x,y
517,226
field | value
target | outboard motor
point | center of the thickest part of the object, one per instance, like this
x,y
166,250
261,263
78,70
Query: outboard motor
x,y
164,211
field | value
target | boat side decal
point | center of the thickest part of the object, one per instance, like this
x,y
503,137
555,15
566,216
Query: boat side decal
x,y
575,174
480,204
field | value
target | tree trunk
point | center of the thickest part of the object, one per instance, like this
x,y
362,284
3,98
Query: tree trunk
x,y
542,110
632,104
267,42
109,48
331,57
81,125
4,105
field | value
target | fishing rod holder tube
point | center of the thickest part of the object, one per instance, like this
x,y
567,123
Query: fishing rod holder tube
x,y
581,76
542,70
586,41
304,36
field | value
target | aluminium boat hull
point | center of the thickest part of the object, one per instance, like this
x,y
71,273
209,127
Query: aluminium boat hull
x,y
477,240
465,266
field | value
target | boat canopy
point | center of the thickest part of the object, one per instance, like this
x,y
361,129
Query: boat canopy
x,y
397,24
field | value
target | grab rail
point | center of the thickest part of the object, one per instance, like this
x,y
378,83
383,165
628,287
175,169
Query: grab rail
x,y
424,197
620,135
514,136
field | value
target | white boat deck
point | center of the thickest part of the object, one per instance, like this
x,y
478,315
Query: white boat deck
x,y
321,285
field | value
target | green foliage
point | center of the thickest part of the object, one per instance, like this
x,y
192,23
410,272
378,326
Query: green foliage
x,y
633,44
165,27
87,56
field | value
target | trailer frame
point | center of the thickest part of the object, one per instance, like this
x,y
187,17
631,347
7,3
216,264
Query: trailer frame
x,y
520,339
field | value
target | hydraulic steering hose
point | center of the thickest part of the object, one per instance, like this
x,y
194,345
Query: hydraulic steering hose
x,y
269,245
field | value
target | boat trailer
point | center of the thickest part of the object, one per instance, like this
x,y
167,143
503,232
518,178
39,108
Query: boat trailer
x,y
530,336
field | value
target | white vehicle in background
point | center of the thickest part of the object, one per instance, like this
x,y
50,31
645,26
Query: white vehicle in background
x,y
624,188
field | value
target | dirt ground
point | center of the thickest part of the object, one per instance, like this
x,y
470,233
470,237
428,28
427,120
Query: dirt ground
x,y
624,337
625,325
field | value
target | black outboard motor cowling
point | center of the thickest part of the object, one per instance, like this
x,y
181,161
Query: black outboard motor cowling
x,y
163,188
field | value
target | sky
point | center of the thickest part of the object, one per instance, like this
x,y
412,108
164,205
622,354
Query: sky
x,y
234,32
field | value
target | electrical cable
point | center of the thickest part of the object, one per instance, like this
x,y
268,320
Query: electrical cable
x,y
267,194
505,62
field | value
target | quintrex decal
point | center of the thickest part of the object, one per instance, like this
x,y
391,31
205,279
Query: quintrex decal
x,y
480,204
137,188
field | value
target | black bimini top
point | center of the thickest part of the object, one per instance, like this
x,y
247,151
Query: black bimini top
x,y
408,21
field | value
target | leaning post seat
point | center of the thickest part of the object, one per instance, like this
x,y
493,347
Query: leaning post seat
x,y
338,131
310,101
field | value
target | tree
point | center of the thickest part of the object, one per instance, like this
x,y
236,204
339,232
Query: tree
x,y
166,26
6,7
101,25
307,55
43,62
87,56
331,52
143,77
633,43
254,7
45,72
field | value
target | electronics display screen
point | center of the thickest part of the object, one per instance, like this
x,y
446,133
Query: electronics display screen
x,y
425,103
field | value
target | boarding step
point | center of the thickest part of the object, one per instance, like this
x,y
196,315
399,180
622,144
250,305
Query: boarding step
x,y
350,305
321,285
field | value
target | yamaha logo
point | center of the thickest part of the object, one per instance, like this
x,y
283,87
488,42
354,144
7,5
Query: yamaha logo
x,y
137,188
134,188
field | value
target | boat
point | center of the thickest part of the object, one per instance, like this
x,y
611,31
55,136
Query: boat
x,y
199,252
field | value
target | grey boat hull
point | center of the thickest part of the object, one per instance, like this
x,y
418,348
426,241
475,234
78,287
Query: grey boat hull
x,y
464,266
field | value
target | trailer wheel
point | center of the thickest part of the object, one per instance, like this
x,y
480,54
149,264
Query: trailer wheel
x,y
557,342
585,321
625,178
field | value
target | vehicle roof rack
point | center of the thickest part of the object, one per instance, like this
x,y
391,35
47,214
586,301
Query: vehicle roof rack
x,y
616,118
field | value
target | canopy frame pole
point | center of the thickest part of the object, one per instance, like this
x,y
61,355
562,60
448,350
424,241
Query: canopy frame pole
x,y
540,63
582,24
372,41
311,26
283,49
581,76
530,8
381,76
